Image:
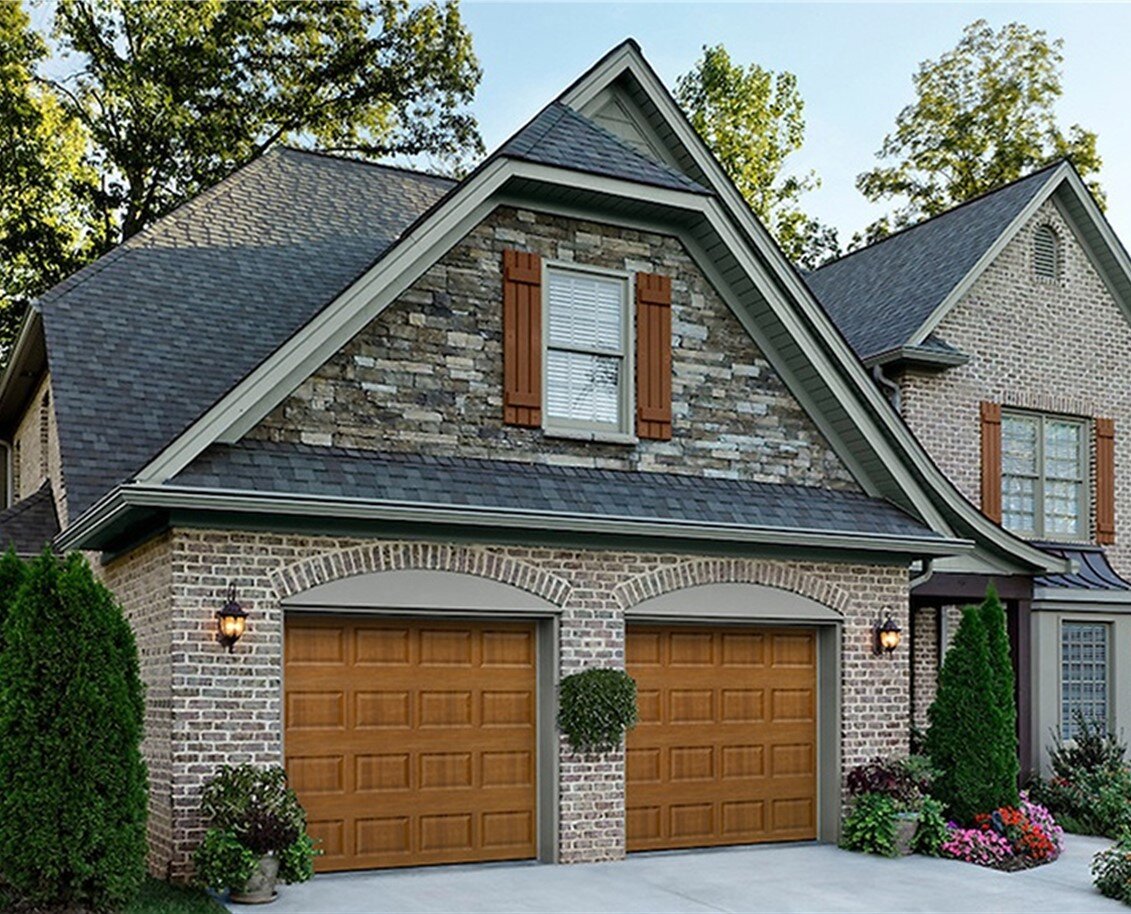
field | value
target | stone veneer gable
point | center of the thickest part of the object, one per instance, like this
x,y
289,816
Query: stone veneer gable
x,y
1052,346
426,375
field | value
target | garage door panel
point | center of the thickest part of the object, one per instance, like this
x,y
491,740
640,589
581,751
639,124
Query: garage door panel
x,y
726,749
417,745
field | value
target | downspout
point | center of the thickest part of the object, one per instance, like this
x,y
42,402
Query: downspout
x,y
890,388
927,570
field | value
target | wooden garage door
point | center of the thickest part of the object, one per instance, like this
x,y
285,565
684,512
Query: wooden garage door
x,y
726,748
412,742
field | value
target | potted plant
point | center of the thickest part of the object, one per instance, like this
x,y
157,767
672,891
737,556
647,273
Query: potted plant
x,y
257,834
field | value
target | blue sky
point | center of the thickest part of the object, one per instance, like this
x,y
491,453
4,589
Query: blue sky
x,y
853,62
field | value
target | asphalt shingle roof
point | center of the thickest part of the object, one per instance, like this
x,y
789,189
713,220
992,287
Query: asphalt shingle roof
x,y
268,467
881,295
30,524
146,339
560,136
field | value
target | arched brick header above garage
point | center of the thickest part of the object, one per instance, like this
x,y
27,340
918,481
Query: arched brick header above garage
x,y
730,571
369,558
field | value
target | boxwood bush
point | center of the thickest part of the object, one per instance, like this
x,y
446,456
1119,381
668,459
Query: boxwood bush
x,y
72,780
596,708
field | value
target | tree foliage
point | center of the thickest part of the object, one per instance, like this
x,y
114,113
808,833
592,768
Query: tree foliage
x,y
45,185
1006,765
984,115
72,780
968,728
11,577
753,120
161,100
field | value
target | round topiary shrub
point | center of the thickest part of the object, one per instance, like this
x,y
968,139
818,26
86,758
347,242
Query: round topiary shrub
x,y
596,708
72,779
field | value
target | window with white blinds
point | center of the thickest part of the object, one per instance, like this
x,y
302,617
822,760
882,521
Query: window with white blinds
x,y
586,350
1046,254
1044,476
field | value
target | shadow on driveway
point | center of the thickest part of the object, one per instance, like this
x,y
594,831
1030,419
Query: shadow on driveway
x,y
784,878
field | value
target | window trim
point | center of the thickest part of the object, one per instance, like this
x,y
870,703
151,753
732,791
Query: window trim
x,y
625,430
1109,668
1084,501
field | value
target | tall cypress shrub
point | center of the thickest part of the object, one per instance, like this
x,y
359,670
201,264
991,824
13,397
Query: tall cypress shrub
x,y
964,720
1002,758
73,797
11,576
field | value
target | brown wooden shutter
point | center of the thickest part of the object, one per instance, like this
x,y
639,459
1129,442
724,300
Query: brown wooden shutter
x,y
991,460
522,338
653,356
1105,481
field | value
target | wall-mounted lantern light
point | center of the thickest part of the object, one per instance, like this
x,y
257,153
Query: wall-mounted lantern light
x,y
888,635
231,621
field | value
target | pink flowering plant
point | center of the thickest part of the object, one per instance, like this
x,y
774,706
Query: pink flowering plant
x,y
975,845
1011,837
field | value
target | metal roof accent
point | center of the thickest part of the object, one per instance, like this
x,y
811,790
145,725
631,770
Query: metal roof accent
x,y
1091,569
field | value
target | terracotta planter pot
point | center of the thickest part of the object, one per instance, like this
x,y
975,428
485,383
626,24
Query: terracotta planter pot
x,y
260,888
906,824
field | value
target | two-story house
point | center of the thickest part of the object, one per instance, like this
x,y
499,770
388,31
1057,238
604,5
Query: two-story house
x,y
447,442
1000,330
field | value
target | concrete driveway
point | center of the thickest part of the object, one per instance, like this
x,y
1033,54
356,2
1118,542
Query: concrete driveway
x,y
783,878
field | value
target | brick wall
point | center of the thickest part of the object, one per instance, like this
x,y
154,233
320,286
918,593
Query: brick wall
x,y
227,707
142,582
1037,344
35,449
925,662
426,375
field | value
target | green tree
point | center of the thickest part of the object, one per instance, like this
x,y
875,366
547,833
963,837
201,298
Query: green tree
x,y
11,577
177,95
984,115
44,184
72,780
964,724
1005,765
162,100
753,120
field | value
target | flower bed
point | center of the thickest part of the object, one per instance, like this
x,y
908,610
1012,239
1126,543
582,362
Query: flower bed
x,y
1009,838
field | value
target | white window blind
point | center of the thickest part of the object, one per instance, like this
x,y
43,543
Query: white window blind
x,y
585,350
1045,253
1043,476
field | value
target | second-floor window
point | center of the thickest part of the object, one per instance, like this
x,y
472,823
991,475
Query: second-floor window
x,y
586,378
1044,476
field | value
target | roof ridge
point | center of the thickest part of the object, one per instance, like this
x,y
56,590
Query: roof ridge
x,y
929,219
358,160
